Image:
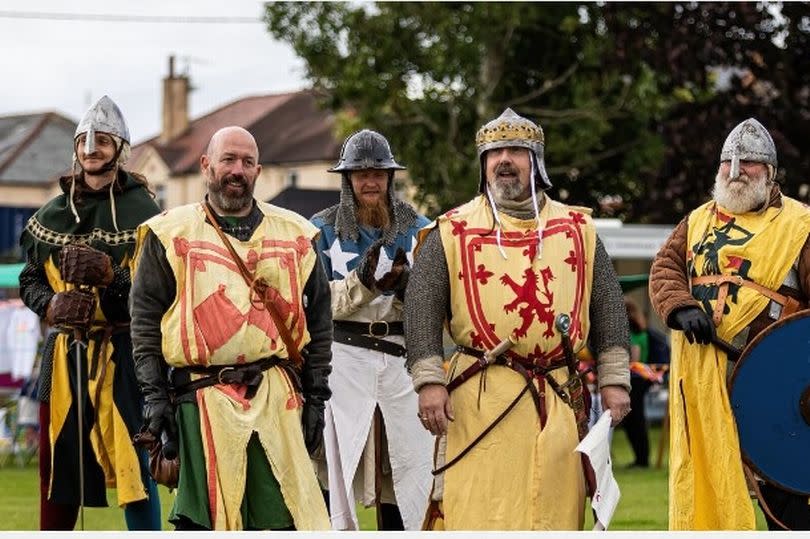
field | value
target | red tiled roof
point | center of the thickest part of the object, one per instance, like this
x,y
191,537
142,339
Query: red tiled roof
x,y
288,128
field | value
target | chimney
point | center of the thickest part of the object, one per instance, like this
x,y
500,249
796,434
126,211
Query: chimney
x,y
175,105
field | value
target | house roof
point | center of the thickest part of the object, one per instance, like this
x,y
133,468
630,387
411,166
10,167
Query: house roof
x,y
289,128
35,148
306,202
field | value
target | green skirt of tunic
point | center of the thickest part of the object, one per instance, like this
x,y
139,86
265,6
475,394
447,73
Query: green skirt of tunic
x,y
263,506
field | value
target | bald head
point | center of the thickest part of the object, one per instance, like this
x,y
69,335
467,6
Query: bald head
x,y
230,167
227,133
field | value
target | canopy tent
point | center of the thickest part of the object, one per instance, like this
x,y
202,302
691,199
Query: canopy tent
x,y
10,275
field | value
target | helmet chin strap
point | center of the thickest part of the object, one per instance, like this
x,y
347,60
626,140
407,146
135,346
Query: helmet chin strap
x,y
540,225
497,222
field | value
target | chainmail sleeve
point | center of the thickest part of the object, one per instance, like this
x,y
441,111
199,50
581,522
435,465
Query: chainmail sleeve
x,y
427,301
114,298
35,291
609,337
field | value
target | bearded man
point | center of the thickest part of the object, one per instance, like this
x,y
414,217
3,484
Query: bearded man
x,y
501,269
376,451
77,279
749,230
231,330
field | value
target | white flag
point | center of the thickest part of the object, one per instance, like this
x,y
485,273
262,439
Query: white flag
x,y
597,446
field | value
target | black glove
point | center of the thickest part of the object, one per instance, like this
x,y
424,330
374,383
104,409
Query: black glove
x,y
158,416
368,265
158,410
312,422
696,325
397,278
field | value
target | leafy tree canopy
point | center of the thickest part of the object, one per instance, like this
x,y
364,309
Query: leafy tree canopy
x,y
631,97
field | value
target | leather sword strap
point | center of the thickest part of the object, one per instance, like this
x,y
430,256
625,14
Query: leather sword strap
x,y
259,288
789,305
530,374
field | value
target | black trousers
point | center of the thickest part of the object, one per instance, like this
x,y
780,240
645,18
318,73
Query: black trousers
x,y
792,510
635,422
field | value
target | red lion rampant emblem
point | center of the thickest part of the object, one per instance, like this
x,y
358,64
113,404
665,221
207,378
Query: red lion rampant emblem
x,y
529,293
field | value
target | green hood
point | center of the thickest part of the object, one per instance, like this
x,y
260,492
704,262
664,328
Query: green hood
x,y
54,224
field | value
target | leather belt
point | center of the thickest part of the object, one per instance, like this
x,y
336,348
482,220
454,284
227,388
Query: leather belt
x,y
369,335
377,329
479,365
249,374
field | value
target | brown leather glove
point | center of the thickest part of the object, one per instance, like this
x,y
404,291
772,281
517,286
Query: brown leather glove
x,y
396,279
368,264
81,264
72,309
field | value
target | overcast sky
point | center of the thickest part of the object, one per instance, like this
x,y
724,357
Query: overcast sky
x,y
64,65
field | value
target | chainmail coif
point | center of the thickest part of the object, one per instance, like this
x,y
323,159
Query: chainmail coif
x,y
344,217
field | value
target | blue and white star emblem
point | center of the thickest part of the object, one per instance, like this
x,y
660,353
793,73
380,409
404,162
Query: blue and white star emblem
x,y
340,258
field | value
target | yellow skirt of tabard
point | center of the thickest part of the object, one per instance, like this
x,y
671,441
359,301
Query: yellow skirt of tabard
x,y
517,477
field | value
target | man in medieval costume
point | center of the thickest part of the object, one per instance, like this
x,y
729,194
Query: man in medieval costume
x,y
751,231
77,278
231,331
376,450
499,271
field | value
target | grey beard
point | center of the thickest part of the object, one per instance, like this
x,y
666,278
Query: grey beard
x,y
508,191
743,198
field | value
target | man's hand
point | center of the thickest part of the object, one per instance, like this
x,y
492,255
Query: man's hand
x,y
368,265
617,400
696,325
435,408
312,422
158,416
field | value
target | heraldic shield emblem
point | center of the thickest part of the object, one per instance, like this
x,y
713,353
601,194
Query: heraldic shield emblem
x,y
522,295
770,398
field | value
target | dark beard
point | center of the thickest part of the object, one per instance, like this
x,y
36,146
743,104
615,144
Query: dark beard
x,y
375,216
226,202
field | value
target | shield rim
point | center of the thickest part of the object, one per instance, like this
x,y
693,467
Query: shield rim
x,y
804,313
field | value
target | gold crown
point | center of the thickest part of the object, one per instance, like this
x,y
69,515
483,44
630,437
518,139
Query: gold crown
x,y
509,131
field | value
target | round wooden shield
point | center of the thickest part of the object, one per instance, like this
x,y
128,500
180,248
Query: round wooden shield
x,y
770,398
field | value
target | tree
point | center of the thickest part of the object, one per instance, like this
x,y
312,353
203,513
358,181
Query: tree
x,y
693,48
631,96
428,75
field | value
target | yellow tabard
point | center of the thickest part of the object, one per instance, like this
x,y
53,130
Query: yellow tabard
x,y
213,321
518,477
707,488
109,436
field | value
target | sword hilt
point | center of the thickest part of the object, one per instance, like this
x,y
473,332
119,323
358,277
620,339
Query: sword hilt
x,y
563,324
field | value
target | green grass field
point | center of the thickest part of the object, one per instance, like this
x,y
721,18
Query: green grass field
x,y
643,505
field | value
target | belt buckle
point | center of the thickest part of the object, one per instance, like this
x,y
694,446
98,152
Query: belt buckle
x,y
221,371
377,335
